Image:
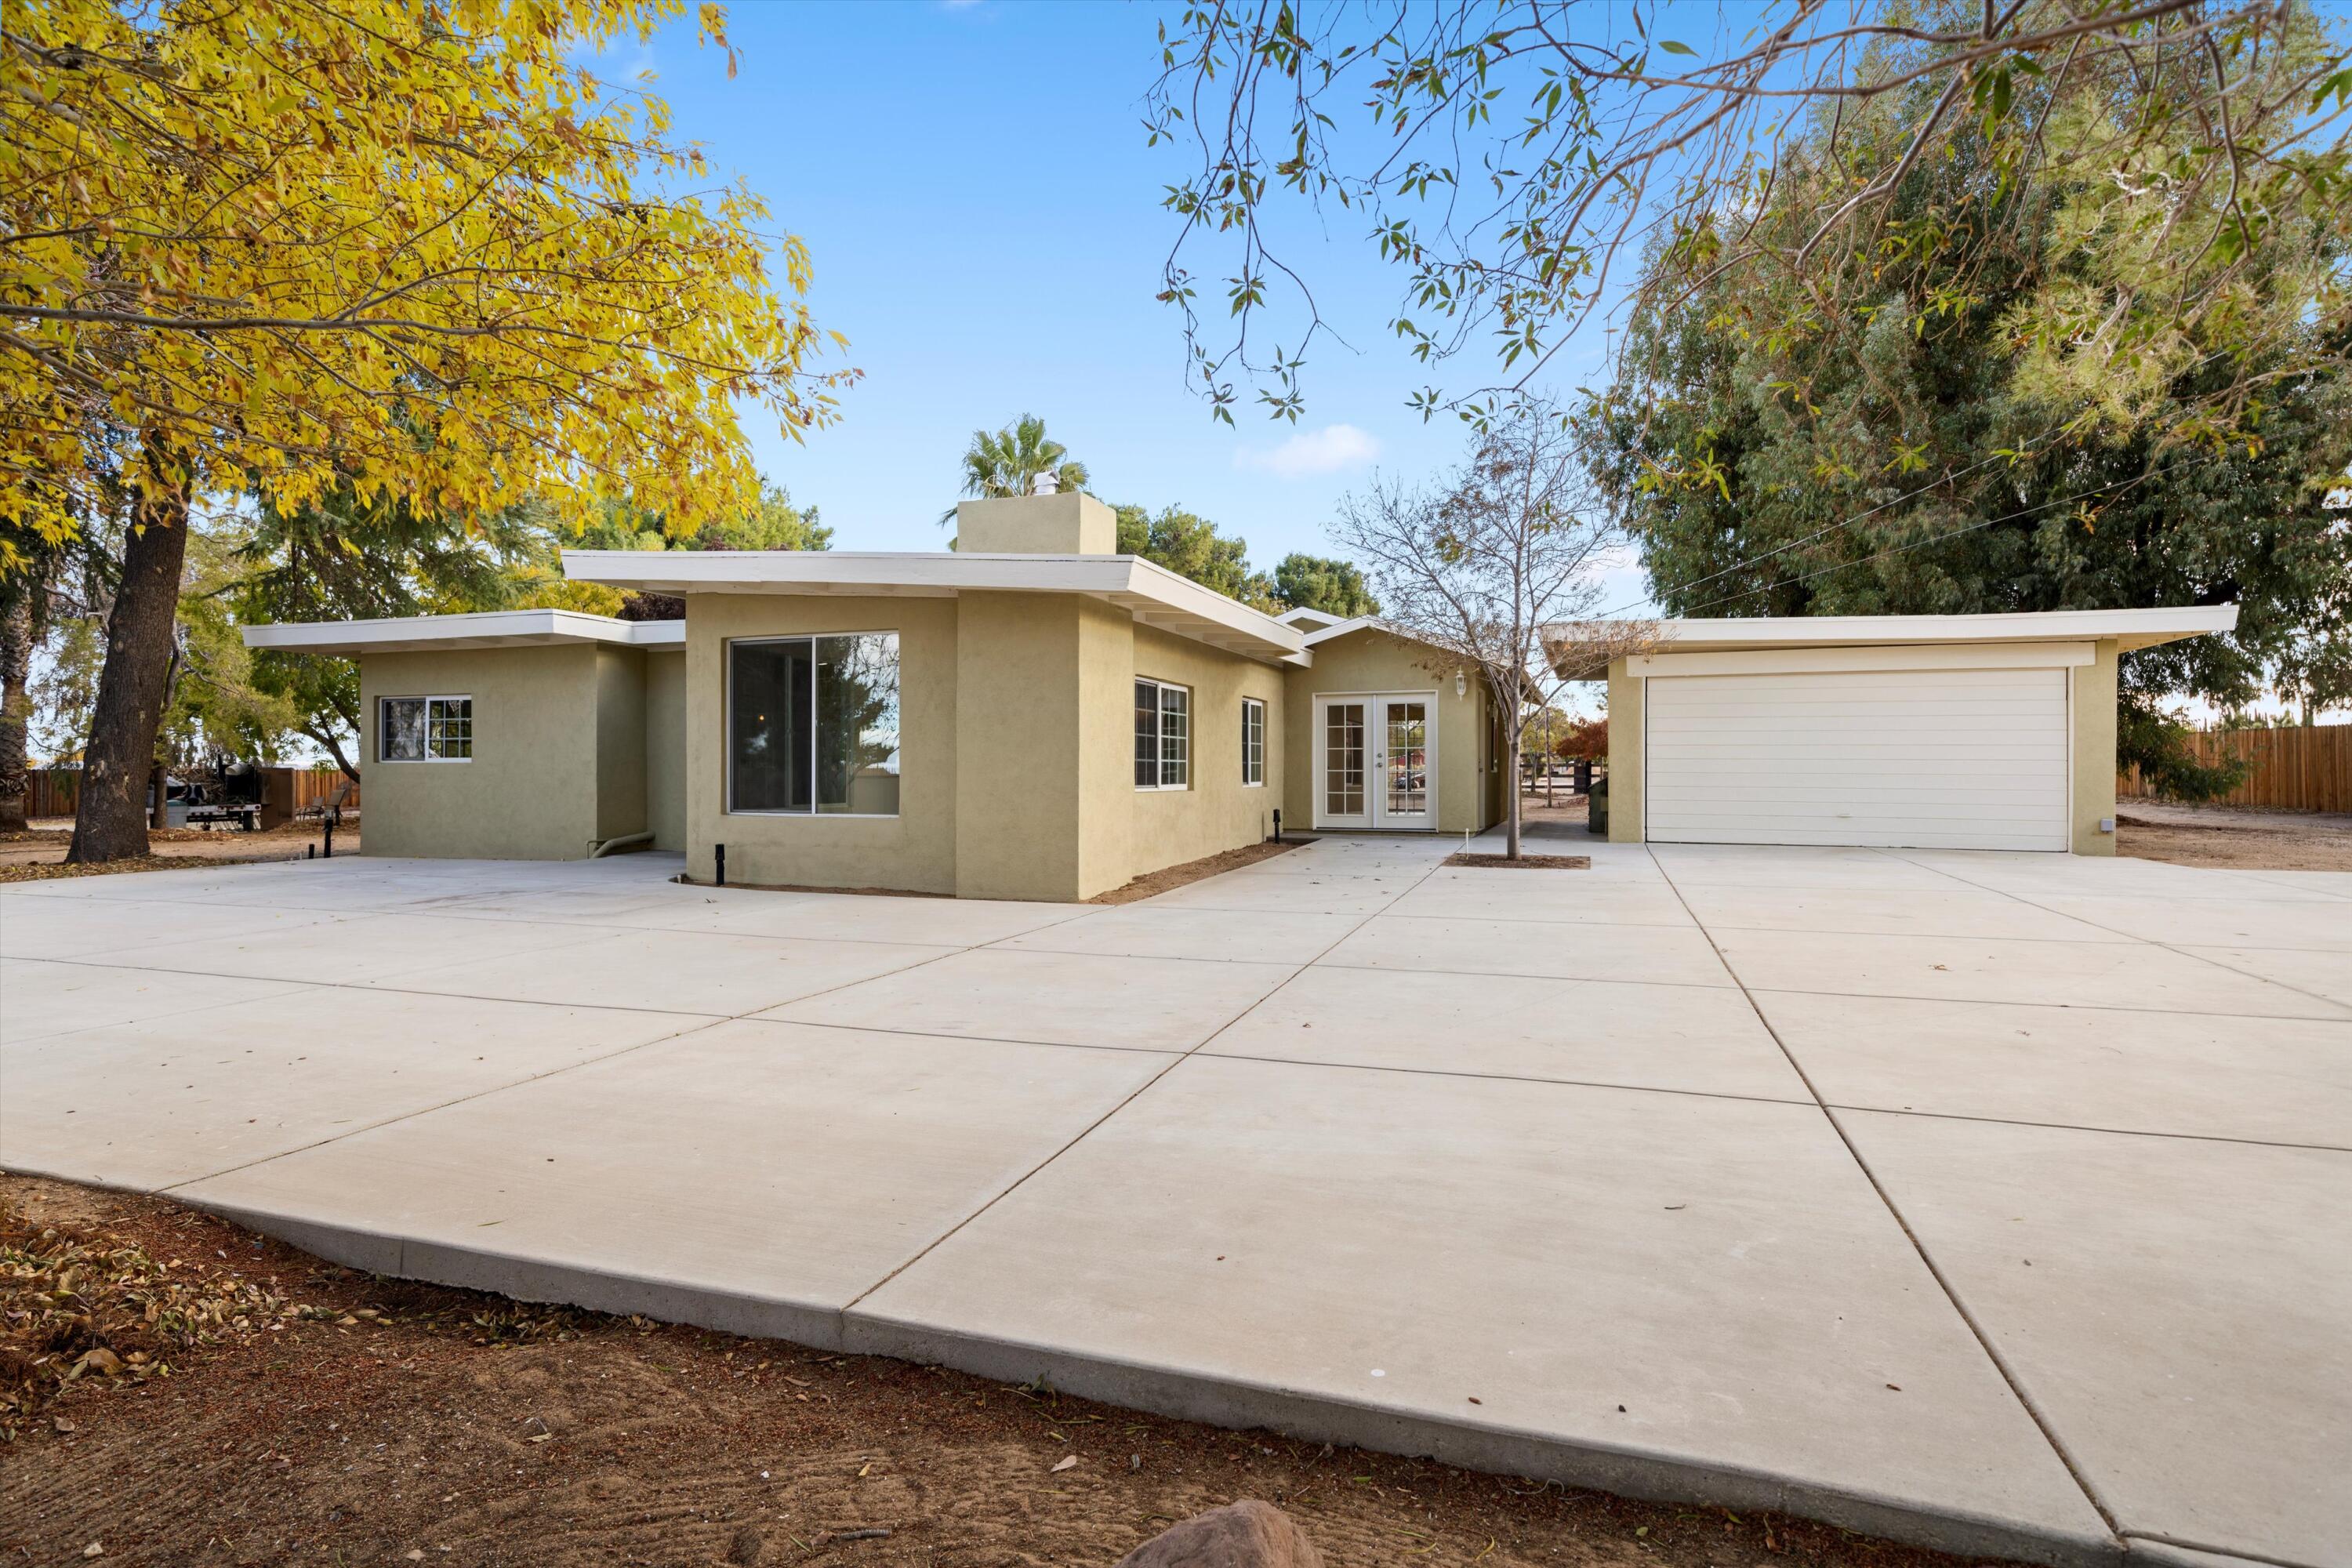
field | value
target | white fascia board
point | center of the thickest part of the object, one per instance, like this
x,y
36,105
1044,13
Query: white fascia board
x,y
1873,658
493,629
1154,595
2130,628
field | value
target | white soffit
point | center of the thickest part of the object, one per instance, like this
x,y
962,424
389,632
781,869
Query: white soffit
x,y
2129,628
1153,594
495,628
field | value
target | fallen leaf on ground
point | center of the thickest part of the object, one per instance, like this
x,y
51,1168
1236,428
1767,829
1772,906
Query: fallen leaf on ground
x,y
1069,1461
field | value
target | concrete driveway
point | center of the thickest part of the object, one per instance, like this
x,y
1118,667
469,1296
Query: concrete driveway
x,y
1998,1202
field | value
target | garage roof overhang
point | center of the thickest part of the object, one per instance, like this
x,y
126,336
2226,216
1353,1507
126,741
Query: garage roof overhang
x,y
1153,594
1571,647
496,628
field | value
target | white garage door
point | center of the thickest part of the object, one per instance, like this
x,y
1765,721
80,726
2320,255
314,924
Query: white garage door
x,y
1959,759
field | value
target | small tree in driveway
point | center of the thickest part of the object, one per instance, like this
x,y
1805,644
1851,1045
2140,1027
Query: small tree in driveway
x,y
1494,564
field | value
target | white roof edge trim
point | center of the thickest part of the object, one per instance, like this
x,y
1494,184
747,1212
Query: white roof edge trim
x,y
487,629
1102,576
2140,627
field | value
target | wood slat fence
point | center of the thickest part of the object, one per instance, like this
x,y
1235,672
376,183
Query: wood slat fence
x,y
2306,768
57,792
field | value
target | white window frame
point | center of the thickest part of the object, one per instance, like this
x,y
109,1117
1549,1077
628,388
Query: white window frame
x,y
464,696
727,726
1160,737
1253,742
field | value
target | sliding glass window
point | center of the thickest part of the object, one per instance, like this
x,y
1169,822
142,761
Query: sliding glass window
x,y
812,725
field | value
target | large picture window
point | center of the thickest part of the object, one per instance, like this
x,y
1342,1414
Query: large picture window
x,y
426,729
812,725
1163,735
1253,741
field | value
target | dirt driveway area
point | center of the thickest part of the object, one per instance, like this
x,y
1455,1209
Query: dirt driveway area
x,y
1986,1201
2231,836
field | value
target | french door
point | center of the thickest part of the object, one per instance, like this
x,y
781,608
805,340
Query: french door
x,y
1374,760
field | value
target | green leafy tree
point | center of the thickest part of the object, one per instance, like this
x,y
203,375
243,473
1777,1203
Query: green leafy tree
x,y
1318,583
1009,462
1921,448
1190,545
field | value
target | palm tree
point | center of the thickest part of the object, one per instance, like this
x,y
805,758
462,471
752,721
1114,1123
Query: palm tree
x,y
1009,462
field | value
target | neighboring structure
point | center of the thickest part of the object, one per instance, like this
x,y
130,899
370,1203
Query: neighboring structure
x,y
1927,731
1027,716
1032,716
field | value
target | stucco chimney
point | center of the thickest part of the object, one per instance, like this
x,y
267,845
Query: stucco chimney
x,y
1072,524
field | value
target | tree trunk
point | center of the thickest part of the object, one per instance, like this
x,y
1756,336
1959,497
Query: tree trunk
x,y
1511,819
111,822
15,698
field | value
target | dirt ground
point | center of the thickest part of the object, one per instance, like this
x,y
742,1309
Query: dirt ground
x,y
1168,878
2231,837
228,1400
40,853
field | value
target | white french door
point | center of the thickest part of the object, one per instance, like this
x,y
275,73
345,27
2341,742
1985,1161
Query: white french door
x,y
1375,762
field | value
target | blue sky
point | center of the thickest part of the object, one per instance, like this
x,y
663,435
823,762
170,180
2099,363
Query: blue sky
x,y
983,213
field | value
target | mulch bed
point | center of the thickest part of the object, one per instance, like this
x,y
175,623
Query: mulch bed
x,y
1524,863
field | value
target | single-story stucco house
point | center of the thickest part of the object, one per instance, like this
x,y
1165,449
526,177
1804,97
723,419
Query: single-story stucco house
x,y
1032,715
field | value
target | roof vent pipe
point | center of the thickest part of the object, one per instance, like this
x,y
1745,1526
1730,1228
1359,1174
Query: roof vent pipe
x,y
1047,483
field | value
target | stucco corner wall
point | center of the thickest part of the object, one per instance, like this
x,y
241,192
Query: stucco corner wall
x,y
1625,719
665,743
620,742
2091,697
530,791
1017,755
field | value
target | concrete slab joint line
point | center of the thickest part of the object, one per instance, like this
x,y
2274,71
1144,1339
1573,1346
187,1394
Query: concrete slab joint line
x,y
1988,1232
2090,1493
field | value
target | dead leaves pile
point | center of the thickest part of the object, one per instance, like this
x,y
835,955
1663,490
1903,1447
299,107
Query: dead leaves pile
x,y
73,1308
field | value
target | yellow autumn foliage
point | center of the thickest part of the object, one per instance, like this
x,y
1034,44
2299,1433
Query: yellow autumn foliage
x,y
421,248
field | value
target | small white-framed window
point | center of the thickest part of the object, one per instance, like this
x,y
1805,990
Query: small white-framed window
x,y
424,729
1253,741
1163,735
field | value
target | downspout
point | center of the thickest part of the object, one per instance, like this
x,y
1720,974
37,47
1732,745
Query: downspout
x,y
598,851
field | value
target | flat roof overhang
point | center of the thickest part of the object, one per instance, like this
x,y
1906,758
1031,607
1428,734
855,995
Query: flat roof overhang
x,y
2128,629
1153,594
493,629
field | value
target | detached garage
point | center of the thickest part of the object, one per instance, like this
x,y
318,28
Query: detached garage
x,y
1914,732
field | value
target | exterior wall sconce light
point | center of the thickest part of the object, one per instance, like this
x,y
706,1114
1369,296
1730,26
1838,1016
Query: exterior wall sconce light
x,y
1461,683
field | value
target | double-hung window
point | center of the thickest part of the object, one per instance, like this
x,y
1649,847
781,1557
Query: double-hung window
x,y
1253,741
426,729
1163,735
812,725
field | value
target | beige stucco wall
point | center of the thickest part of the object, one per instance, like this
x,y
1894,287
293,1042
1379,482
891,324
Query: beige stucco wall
x,y
2091,699
1216,811
914,851
664,748
1469,780
1625,692
1017,796
620,742
530,791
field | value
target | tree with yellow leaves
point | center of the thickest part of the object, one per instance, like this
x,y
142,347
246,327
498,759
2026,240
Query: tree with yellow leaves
x,y
411,250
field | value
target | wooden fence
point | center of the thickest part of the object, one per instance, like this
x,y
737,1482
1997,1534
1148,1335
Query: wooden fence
x,y
57,792
2307,768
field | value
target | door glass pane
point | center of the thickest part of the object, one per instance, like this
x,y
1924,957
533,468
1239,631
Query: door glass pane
x,y
1343,759
1408,766
769,727
857,725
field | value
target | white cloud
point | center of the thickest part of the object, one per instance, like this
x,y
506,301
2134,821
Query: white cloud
x,y
1333,449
